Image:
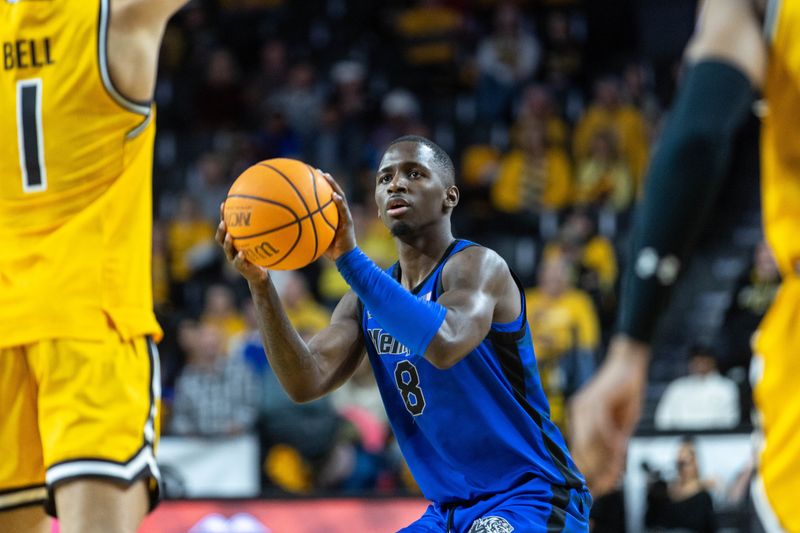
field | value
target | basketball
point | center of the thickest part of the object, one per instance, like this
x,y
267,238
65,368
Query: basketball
x,y
280,214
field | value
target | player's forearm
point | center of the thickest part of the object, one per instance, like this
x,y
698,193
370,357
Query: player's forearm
x,y
409,319
295,365
683,182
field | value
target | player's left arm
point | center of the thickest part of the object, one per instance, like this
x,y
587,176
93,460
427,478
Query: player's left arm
x,y
476,283
478,289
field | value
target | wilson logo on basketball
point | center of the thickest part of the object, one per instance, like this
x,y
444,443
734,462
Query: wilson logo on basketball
x,y
263,251
239,219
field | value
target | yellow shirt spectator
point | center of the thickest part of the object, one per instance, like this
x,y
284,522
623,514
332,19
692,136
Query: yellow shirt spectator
x,y
607,113
565,332
532,176
187,234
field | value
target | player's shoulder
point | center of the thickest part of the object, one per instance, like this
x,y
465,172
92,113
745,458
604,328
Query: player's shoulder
x,y
478,263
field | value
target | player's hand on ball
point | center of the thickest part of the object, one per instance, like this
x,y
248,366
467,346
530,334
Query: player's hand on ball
x,y
603,415
252,273
345,238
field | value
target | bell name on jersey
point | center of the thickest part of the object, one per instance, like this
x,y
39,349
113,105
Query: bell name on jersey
x,y
27,53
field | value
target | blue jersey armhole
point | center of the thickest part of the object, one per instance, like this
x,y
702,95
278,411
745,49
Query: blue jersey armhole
x,y
518,323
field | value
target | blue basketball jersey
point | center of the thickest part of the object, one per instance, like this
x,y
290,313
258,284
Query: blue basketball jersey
x,y
479,428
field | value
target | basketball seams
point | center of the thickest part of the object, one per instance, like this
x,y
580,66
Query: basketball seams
x,y
320,208
291,249
305,204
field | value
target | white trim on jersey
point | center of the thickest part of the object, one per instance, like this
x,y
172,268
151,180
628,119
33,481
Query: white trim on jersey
x,y
769,521
102,56
93,467
145,457
771,19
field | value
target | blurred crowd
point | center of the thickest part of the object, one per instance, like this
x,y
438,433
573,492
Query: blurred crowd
x,y
551,154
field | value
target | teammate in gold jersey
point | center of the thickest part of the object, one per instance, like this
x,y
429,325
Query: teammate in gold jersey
x,y
739,47
79,375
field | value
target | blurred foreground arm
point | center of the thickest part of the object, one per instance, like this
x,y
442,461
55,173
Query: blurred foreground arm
x,y
728,58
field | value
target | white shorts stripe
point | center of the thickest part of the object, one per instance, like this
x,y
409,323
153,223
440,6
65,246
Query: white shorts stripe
x,y
21,497
769,521
90,467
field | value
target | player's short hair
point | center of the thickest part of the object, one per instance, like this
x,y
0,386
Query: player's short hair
x,y
440,157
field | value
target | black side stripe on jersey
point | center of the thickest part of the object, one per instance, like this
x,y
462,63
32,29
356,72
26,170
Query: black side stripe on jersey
x,y
104,18
558,509
506,348
511,363
22,496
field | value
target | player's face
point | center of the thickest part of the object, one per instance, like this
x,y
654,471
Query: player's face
x,y
409,191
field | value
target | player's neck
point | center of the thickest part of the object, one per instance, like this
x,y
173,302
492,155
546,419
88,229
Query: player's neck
x,y
419,253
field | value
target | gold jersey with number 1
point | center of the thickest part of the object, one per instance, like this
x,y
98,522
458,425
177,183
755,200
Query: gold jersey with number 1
x,y
75,180
79,380
776,362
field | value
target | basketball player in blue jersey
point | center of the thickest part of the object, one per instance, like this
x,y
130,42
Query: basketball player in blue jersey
x,y
446,334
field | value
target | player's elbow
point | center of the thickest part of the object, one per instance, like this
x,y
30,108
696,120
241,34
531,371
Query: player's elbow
x,y
443,354
301,392
439,361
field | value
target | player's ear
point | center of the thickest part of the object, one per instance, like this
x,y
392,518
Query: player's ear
x,y
451,196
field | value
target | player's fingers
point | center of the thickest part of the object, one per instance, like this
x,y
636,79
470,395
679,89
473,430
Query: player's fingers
x,y
332,183
222,211
344,212
230,251
222,231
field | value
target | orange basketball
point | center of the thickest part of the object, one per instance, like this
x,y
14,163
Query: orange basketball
x,y
280,213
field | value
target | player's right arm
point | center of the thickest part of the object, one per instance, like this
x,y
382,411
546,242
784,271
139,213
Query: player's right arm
x,y
134,39
727,61
306,370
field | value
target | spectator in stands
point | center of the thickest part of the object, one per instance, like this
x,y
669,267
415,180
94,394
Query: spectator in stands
x,y
275,138
565,332
506,59
220,312
701,400
355,107
533,177
594,263
208,181
609,112
297,440
215,395
537,107
637,81
363,445
563,61
400,111
752,297
161,297
479,164
306,315
301,101
428,36
271,74
190,245
603,179
218,101
685,504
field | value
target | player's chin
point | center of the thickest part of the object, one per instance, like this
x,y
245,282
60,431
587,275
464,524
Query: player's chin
x,y
400,228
